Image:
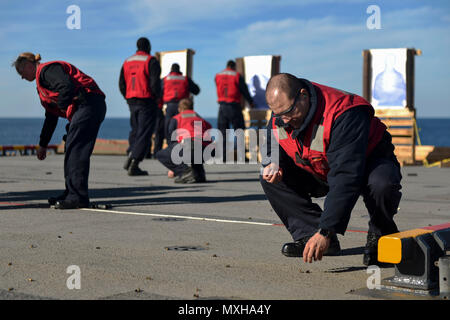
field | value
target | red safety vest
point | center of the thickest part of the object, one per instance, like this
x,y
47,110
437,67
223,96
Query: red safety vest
x,y
136,74
176,87
49,99
186,120
227,84
331,103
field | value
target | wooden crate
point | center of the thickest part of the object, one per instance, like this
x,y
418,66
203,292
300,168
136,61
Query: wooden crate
x,y
401,125
256,118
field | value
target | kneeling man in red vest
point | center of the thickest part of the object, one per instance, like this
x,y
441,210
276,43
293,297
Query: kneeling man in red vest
x,y
332,145
186,129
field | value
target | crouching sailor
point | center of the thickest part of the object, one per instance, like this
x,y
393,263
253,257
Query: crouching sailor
x,y
332,145
183,127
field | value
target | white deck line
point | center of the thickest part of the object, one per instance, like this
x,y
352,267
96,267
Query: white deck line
x,y
177,216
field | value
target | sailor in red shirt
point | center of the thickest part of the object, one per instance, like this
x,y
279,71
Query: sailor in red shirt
x,y
183,128
67,92
140,85
330,144
230,86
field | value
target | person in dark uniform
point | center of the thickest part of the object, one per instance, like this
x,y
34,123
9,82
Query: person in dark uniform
x,y
140,85
67,92
183,127
230,86
330,144
175,87
159,132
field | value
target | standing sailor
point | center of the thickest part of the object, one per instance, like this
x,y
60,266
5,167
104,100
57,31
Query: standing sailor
x,y
140,85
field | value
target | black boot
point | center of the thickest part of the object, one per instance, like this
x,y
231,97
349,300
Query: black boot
x,y
127,163
70,204
52,200
188,176
371,251
134,169
200,175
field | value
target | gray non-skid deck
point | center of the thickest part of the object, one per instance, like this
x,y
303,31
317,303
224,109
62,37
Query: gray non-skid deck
x,y
129,252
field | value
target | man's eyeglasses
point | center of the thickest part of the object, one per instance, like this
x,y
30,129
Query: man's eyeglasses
x,y
289,110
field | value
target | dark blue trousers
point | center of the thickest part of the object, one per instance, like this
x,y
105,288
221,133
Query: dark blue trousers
x,y
171,110
291,198
142,120
229,114
80,141
164,156
159,132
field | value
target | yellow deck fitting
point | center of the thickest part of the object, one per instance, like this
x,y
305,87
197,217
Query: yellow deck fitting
x,y
390,246
414,254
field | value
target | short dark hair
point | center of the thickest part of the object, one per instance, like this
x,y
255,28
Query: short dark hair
x,y
175,67
231,64
143,44
186,104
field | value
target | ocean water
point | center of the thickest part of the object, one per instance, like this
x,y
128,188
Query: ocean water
x,y
435,132
25,131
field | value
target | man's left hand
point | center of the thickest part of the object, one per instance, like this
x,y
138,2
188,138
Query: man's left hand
x,y
315,248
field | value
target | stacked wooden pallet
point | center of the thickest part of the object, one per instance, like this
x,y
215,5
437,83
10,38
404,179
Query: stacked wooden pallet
x,y
254,119
401,125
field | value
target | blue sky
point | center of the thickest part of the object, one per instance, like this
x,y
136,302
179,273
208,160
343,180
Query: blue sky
x,y
320,40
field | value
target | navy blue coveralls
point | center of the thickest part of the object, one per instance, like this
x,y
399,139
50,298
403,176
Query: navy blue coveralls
x,y
231,113
81,131
376,178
